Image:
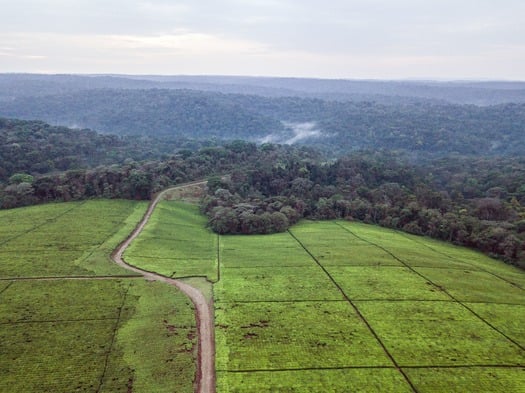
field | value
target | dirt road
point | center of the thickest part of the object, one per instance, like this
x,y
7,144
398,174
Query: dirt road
x,y
203,309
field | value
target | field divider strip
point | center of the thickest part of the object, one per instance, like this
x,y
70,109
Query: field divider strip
x,y
458,366
459,260
356,309
114,336
436,286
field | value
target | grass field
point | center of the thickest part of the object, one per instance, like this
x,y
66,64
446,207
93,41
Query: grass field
x,y
70,319
347,307
175,243
326,307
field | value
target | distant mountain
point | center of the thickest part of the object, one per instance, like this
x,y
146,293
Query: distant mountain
x,y
387,92
288,110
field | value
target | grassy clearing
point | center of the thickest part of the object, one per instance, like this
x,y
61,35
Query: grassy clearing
x,y
480,380
288,335
270,284
508,318
175,243
373,283
354,380
438,334
468,286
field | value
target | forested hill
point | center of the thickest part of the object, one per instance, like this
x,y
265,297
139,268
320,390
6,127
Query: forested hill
x,y
387,92
423,129
34,147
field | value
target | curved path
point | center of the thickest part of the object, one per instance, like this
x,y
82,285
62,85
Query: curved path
x,y
203,309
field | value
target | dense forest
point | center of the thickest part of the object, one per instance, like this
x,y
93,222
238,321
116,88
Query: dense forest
x,y
262,189
34,148
422,129
414,156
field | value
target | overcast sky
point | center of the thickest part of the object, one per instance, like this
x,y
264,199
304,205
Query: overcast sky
x,y
380,39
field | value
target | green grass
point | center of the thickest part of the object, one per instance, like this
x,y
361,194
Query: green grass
x,y
271,284
293,335
273,336
375,283
90,335
347,380
175,243
479,380
438,334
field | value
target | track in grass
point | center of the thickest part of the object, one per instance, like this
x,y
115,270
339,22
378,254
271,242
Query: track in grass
x,y
65,322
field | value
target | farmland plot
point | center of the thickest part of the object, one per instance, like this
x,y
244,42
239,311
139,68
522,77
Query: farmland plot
x,y
424,316
73,321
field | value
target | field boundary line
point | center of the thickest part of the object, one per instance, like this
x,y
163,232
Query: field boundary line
x,y
437,286
458,260
285,301
113,337
356,309
276,370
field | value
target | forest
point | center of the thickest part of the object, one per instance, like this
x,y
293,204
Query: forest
x,y
425,161
476,202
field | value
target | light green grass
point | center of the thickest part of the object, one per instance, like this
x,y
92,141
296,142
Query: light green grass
x,y
75,239
419,324
508,318
91,335
53,357
275,284
438,334
479,380
474,285
176,243
273,336
159,340
369,283
341,381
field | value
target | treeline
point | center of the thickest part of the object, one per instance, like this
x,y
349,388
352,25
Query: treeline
x,y
477,203
482,207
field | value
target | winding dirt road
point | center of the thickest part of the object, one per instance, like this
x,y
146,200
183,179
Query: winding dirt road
x,y
203,309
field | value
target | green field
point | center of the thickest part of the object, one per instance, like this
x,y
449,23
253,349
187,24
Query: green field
x,y
330,306
347,307
344,307
73,321
176,244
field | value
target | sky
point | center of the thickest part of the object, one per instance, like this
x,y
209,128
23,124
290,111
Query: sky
x,y
350,39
